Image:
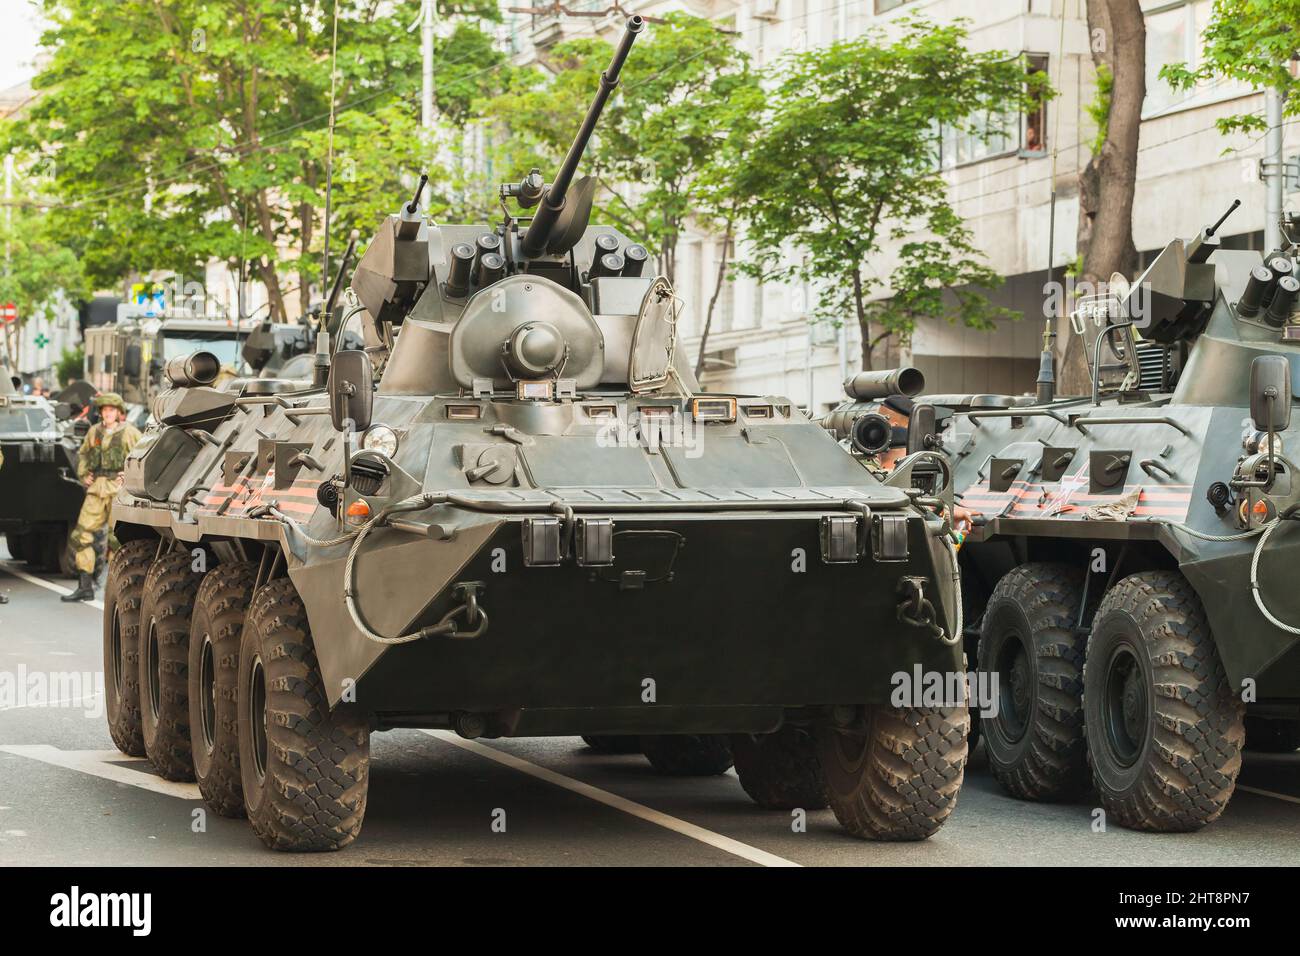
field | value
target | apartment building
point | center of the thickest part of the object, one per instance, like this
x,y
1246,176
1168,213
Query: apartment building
x,y
762,338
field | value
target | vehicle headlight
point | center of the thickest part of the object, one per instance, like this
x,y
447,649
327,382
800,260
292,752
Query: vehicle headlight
x,y
1264,443
380,438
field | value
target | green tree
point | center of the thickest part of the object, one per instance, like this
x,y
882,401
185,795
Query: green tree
x,y
846,160
38,264
181,131
71,365
658,136
1254,42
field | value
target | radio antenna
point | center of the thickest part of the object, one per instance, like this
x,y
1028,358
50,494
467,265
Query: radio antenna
x,y
329,153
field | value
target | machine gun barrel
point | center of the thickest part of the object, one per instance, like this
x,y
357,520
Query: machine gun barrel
x,y
548,212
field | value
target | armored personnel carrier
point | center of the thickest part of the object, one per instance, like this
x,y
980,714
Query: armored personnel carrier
x,y
40,495
516,514
1128,577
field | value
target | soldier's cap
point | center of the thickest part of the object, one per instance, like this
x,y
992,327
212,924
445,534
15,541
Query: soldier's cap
x,y
110,399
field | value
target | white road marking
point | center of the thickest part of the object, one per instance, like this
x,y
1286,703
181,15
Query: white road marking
x,y
639,810
8,568
106,764
1269,793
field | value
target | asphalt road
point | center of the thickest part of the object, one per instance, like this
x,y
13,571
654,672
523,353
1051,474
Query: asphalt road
x,y
66,797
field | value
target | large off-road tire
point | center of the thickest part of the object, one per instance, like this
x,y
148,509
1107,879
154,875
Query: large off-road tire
x,y
15,544
169,592
781,771
613,743
1165,729
898,777
1270,736
304,768
1035,742
216,628
123,594
67,559
688,755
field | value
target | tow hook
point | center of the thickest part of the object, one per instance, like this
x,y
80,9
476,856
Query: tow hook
x,y
915,608
475,618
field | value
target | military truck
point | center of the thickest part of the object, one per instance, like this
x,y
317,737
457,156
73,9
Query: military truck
x,y
40,495
1128,577
129,357
536,524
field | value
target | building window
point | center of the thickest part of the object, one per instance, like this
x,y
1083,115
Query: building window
x,y
992,134
1033,130
884,6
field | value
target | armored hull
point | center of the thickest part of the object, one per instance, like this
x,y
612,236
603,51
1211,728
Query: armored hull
x,y
515,513
39,492
1127,572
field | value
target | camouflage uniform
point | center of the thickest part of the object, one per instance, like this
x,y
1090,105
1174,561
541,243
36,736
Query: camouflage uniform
x,y
103,455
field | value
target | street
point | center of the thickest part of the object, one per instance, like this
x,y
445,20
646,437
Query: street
x,y
67,797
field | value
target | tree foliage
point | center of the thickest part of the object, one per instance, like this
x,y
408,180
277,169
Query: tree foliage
x,y
1254,42
182,131
846,160
660,136
39,264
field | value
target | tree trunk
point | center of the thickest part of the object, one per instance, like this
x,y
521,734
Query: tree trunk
x,y
1108,182
864,323
713,300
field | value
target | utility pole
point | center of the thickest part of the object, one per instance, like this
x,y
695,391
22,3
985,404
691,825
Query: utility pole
x,y
428,14
1273,170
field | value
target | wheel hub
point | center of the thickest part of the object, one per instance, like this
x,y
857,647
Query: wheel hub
x,y
257,715
208,694
1127,705
155,679
1016,678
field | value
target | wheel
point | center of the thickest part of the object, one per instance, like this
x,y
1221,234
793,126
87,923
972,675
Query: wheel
x,y
14,543
215,630
304,768
1029,646
1165,729
49,544
1272,736
896,778
123,594
67,560
688,755
613,744
169,592
781,771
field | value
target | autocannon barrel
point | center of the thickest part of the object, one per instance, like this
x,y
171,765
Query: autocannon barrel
x,y
866,386
539,232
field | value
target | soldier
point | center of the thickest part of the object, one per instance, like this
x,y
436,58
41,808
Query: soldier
x,y
103,454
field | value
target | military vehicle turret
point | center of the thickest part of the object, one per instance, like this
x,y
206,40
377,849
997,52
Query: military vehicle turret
x,y
516,514
40,495
1128,576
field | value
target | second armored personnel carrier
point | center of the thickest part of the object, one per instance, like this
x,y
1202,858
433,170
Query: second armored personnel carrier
x,y
1128,576
40,495
536,524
